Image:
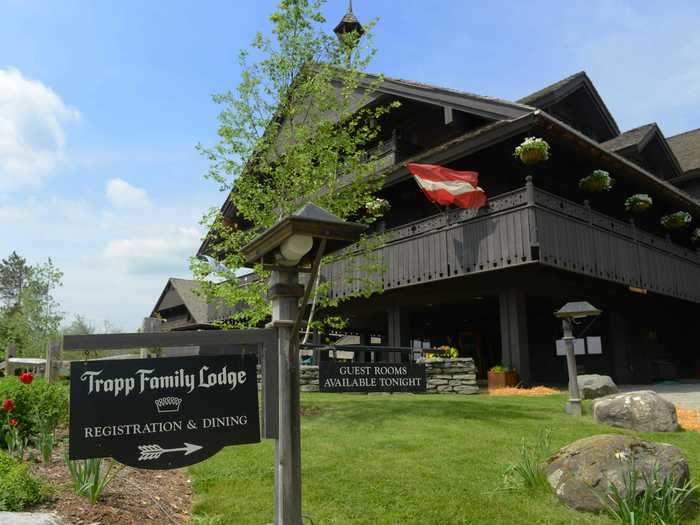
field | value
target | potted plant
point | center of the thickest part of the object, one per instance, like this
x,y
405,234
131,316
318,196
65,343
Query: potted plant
x,y
676,220
500,376
598,180
532,150
638,203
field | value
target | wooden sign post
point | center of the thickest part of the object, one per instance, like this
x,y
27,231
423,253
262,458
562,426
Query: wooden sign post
x,y
296,243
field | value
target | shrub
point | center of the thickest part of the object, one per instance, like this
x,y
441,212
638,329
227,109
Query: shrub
x,y
529,471
37,404
17,488
661,500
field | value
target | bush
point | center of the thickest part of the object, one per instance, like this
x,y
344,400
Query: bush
x,y
38,401
17,488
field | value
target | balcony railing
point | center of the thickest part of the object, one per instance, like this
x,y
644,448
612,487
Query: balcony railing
x,y
526,226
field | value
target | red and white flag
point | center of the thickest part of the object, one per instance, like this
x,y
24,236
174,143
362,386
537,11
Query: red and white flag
x,y
445,186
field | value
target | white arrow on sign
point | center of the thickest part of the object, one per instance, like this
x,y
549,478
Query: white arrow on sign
x,y
156,451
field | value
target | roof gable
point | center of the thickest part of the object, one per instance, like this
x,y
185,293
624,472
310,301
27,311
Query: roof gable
x,y
686,147
576,101
182,291
647,146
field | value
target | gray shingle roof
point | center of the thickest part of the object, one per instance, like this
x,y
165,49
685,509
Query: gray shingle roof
x,y
686,147
629,138
196,304
534,98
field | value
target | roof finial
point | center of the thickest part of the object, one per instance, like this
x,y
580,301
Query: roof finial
x,y
348,24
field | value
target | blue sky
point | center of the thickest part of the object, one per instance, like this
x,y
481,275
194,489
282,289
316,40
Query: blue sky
x,y
102,104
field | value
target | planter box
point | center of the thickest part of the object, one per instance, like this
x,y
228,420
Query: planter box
x,y
502,379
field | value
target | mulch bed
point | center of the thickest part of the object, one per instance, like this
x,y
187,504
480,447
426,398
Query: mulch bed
x,y
535,391
144,497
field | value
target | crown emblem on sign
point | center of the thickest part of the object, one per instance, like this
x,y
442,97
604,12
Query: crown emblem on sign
x,y
168,404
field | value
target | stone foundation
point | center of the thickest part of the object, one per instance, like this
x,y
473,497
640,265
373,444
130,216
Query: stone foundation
x,y
445,376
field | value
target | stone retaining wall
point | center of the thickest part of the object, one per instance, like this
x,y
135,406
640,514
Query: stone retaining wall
x,y
445,376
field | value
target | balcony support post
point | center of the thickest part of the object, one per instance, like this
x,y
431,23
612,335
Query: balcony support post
x,y
514,333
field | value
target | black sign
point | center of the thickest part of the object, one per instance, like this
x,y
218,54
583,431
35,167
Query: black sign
x,y
162,413
371,377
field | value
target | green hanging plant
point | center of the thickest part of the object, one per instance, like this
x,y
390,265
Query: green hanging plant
x,y
695,237
638,203
532,150
598,180
676,220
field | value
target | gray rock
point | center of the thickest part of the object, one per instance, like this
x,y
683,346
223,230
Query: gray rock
x,y
29,518
642,410
581,473
592,386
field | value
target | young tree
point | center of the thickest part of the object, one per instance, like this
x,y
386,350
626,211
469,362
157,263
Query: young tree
x,y
14,273
296,129
79,326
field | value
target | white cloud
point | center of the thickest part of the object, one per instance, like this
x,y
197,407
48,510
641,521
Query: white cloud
x,y
32,138
155,254
123,195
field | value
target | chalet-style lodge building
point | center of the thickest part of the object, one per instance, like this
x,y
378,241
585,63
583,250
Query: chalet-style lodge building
x,y
487,281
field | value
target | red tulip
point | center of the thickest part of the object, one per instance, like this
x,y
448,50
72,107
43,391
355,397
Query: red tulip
x,y
26,378
8,405
13,422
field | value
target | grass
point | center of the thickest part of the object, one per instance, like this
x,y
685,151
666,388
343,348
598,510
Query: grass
x,y
406,459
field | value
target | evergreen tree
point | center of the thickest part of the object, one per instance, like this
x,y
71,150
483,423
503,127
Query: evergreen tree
x,y
14,273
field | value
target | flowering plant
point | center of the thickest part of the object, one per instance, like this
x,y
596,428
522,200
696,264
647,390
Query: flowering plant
x,y
377,206
532,150
15,443
445,351
598,180
677,220
26,378
638,202
695,237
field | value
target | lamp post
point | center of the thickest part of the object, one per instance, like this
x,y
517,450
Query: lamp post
x,y
295,243
568,314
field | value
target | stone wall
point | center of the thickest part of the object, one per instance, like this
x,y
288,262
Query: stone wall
x,y
451,376
445,376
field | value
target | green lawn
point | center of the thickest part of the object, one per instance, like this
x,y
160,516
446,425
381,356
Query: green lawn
x,y
405,459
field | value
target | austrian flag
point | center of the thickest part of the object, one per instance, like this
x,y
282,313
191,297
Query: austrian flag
x,y
445,186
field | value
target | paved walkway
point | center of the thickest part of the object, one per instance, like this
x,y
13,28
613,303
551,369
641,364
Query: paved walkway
x,y
685,394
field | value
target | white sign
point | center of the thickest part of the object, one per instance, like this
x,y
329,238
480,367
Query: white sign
x,y
579,347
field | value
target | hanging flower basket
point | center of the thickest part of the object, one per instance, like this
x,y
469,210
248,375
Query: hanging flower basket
x,y
533,150
377,207
695,237
677,220
598,180
638,203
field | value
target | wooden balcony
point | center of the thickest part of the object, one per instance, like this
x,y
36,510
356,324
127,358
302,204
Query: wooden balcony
x,y
526,226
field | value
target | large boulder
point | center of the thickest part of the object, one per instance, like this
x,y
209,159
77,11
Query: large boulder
x,y
581,473
592,386
641,410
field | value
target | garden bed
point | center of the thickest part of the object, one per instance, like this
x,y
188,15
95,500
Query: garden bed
x,y
144,497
